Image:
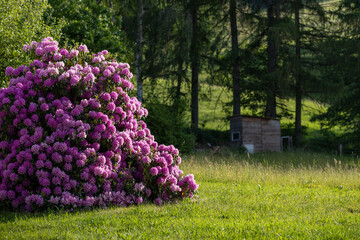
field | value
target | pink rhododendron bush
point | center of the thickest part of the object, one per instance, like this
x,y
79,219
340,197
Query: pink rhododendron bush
x,y
71,137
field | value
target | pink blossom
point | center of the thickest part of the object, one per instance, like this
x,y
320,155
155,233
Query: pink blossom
x,y
87,187
161,180
34,118
165,171
101,160
75,112
22,170
39,164
13,177
45,182
96,60
85,147
145,149
56,157
98,171
84,176
74,80
9,71
74,53
89,78
51,48
46,191
57,56
106,97
107,73
158,201
83,48
26,47
175,188
111,106
139,187
84,102
114,95
116,78
48,164
57,190
39,51
139,200
154,171
172,179
64,52
96,70
68,158
80,163
44,107
96,146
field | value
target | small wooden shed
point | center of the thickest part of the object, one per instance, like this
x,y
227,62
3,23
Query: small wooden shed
x,y
258,134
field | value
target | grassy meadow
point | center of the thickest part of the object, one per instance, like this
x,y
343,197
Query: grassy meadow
x,y
295,195
212,114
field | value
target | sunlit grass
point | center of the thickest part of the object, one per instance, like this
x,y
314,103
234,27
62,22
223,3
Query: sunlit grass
x,y
292,168
296,195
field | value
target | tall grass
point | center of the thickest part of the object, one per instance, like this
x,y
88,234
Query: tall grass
x,y
293,168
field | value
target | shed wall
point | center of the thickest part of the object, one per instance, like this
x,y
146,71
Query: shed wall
x,y
252,132
264,133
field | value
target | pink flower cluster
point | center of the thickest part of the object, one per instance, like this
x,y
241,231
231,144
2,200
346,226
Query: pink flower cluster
x,y
72,137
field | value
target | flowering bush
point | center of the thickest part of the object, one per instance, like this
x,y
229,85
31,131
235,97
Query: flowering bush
x,y
72,137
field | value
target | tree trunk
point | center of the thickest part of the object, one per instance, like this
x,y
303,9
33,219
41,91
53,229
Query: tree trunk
x,y
179,72
298,76
180,60
270,110
235,63
235,59
138,53
112,11
194,67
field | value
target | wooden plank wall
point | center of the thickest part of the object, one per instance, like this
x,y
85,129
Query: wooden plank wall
x,y
262,132
271,135
252,132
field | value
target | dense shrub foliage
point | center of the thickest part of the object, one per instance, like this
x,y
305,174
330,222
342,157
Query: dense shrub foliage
x,y
168,125
72,137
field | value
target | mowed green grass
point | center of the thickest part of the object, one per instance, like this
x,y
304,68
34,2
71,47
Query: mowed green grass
x,y
295,195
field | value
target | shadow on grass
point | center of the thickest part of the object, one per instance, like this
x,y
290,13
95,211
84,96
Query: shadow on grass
x,y
8,215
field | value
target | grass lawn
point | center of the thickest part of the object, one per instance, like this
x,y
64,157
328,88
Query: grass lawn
x,y
295,195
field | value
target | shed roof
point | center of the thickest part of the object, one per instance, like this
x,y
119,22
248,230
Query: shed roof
x,y
249,116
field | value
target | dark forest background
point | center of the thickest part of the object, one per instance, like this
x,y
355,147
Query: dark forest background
x,y
263,52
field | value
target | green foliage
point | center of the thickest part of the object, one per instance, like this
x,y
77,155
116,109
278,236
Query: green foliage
x,y
289,130
21,22
330,51
329,141
326,141
340,55
212,137
90,23
267,196
167,123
